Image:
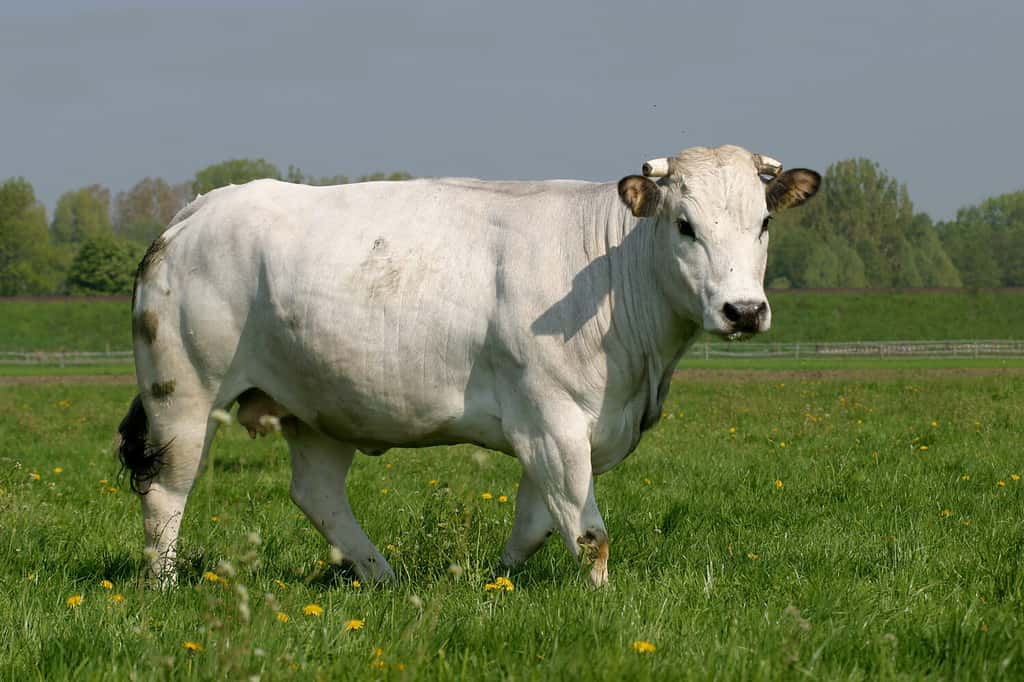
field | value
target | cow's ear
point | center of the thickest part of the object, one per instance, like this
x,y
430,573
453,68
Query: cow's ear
x,y
640,195
792,188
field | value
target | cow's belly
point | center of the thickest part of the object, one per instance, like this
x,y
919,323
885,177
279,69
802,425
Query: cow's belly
x,y
361,381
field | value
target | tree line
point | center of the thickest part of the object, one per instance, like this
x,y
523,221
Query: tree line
x,y
860,232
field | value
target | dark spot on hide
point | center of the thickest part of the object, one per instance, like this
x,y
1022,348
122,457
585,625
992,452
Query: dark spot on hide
x,y
146,325
153,255
161,390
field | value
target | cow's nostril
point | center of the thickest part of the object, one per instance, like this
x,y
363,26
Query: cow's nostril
x,y
731,312
762,308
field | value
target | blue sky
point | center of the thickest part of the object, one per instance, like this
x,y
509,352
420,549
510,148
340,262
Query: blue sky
x,y
110,92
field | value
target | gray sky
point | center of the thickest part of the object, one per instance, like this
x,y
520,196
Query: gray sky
x,y
107,92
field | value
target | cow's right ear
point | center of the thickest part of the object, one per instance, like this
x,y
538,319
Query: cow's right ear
x,y
641,195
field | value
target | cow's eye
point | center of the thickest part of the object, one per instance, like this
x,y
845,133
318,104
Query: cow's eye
x,y
685,228
764,224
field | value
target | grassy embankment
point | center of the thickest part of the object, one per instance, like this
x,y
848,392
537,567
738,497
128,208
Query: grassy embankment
x,y
826,529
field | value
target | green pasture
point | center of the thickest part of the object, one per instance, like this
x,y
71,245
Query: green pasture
x,y
798,316
808,528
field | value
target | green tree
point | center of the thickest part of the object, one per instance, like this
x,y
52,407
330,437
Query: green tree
x,y
986,242
28,262
233,172
144,211
860,231
104,265
82,214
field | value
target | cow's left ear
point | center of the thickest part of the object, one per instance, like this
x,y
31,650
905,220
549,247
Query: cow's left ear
x,y
641,195
792,188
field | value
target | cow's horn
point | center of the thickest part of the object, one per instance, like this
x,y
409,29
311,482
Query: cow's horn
x,y
656,168
766,165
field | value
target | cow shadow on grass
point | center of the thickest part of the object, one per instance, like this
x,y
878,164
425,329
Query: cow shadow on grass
x,y
118,568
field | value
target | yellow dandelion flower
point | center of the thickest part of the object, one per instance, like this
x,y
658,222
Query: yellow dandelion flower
x,y
106,584
215,518
965,477
116,598
282,617
753,557
281,585
383,491
192,647
73,601
356,584
211,577
103,481
378,652
388,465
400,667
58,470
782,444
923,447
379,664
644,647
1014,477
648,481
313,610
504,583
502,499
934,424
732,429
354,624
1001,484
432,481
779,484
945,513
489,587
487,496
34,476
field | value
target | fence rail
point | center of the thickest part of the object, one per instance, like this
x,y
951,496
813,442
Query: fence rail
x,y
67,358
706,351
860,349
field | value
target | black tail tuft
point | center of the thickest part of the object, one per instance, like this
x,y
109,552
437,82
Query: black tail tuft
x,y
141,458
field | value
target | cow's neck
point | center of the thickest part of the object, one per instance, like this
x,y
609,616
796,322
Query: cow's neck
x,y
640,333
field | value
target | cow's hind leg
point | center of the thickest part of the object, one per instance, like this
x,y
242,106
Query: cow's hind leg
x,y
162,446
319,467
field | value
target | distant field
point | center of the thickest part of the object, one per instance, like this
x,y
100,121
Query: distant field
x,y
99,325
770,527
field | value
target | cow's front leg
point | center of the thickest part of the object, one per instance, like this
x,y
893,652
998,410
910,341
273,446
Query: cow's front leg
x,y
532,526
558,466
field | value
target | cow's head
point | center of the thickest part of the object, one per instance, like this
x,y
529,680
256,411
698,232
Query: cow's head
x,y
712,208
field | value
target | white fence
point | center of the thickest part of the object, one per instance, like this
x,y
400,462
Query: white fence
x,y
706,351
860,349
67,358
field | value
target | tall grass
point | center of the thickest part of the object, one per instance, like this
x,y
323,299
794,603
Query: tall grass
x,y
764,530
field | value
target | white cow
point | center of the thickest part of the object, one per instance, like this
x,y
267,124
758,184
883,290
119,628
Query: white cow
x,y
540,319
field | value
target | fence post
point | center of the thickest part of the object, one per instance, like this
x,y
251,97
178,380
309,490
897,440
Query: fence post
x,y
706,354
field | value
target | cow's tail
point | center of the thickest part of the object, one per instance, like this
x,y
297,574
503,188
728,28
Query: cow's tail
x,y
141,458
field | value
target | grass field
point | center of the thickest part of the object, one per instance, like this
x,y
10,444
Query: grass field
x,y
826,528
99,325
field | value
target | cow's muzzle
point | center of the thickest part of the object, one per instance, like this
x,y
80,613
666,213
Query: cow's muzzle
x,y
745,317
